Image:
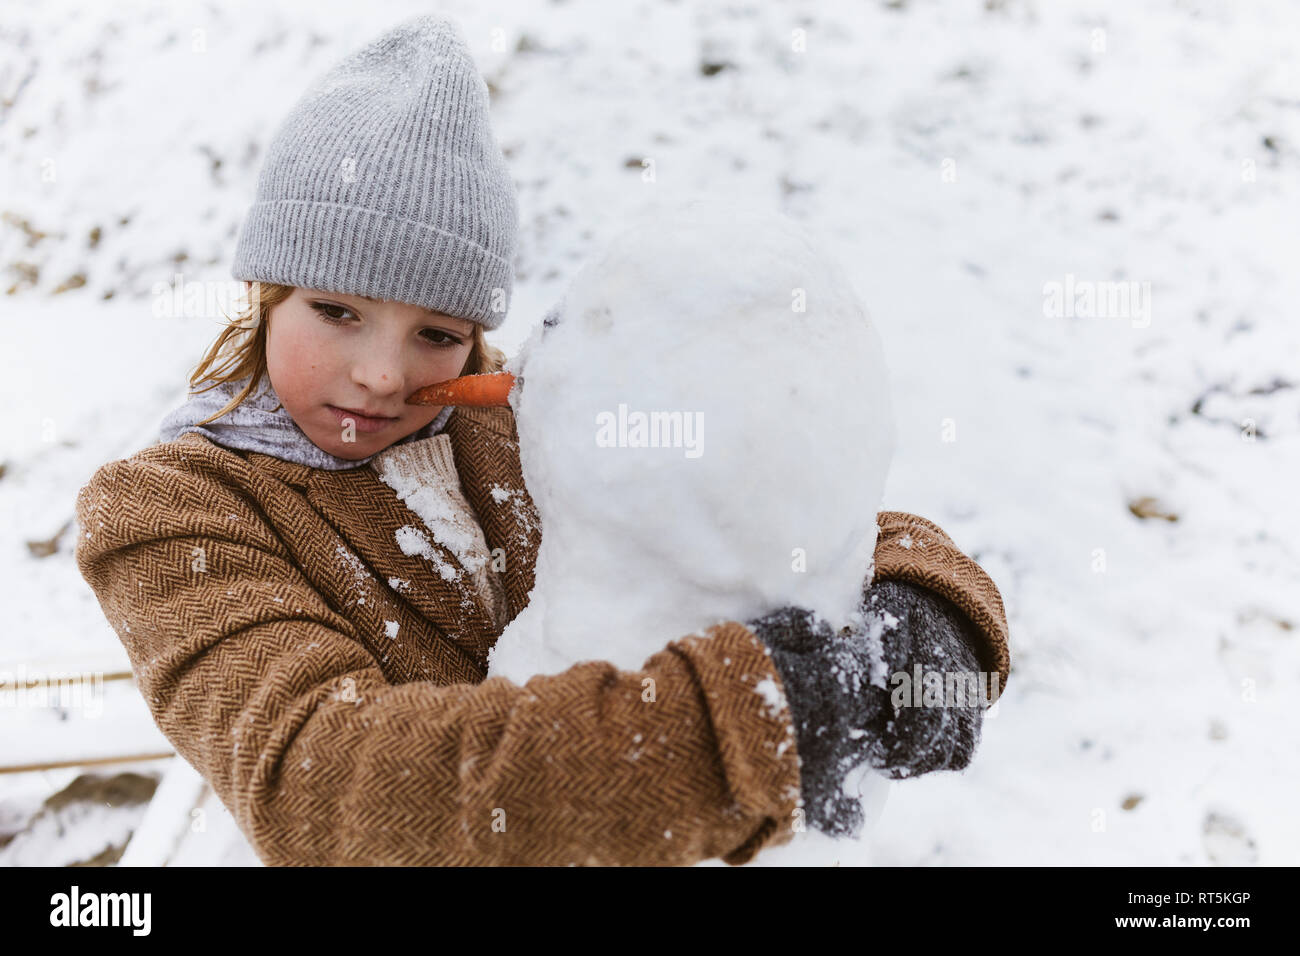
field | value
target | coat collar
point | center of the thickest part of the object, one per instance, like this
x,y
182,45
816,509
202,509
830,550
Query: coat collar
x,y
367,514
485,444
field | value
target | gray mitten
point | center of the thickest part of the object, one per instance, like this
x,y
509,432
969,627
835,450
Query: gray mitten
x,y
932,632
842,720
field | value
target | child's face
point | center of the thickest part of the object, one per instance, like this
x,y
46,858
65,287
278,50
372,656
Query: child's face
x,y
328,349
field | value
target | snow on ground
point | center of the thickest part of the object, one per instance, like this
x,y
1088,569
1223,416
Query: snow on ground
x,y
984,169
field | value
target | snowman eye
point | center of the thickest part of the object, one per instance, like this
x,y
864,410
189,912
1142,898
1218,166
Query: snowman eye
x,y
552,318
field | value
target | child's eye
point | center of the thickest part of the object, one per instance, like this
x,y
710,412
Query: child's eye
x,y
448,340
321,307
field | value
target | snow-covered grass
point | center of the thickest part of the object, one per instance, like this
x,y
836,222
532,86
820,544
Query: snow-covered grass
x,y
963,157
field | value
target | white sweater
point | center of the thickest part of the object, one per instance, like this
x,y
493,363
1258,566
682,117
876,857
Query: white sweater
x,y
423,473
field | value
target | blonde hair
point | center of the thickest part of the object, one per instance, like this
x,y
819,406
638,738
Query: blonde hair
x,y
240,349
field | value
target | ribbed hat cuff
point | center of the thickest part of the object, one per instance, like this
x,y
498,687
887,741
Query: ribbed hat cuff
x,y
353,250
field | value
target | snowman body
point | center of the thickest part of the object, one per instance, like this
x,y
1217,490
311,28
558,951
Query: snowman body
x,y
705,430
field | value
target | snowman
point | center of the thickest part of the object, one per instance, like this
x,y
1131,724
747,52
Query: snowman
x,y
705,429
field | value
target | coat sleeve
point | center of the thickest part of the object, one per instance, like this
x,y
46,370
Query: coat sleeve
x,y
267,692
916,550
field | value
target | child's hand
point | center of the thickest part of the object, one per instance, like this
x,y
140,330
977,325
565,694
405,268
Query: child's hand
x,y
842,720
930,632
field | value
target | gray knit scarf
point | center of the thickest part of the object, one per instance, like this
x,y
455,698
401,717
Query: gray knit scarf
x,y
260,423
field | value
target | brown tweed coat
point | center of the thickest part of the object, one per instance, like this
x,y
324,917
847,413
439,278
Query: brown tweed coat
x,y
332,690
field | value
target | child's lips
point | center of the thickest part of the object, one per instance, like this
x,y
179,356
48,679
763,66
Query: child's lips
x,y
362,423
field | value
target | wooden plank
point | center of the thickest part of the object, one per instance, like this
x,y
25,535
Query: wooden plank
x,y
72,725
168,818
85,762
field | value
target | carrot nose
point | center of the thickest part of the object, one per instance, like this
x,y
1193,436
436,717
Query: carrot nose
x,y
491,388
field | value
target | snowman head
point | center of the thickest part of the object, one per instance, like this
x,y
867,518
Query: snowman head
x,y
711,397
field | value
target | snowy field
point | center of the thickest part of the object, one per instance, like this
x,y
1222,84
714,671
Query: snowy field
x,y
1067,219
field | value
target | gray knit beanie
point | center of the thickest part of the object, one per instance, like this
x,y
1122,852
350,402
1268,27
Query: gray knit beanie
x,y
386,181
